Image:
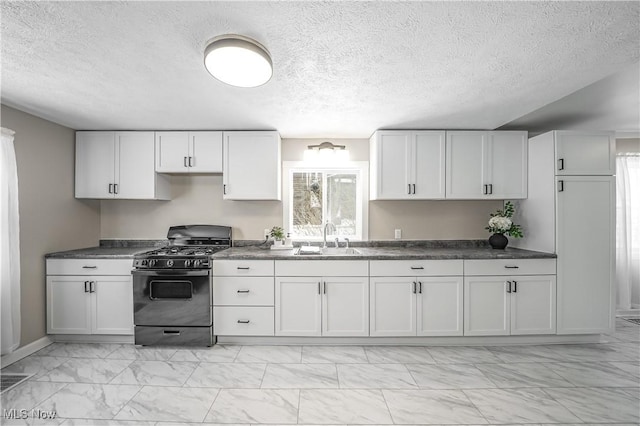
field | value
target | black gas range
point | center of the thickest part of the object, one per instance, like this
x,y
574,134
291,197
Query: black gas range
x,y
172,287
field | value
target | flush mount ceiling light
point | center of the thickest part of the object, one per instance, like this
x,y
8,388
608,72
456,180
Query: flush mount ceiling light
x,y
238,60
326,152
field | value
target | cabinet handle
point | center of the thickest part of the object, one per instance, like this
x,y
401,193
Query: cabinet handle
x,y
92,286
561,164
511,267
319,287
560,186
490,188
184,162
110,188
420,290
115,188
508,286
515,286
485,189
171,332
408,188
224,189
89,267
243,268
85,286
243,321
417,267
190,162
243,291
414,188
324,287
414,287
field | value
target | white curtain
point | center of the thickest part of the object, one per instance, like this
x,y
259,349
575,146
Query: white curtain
x,y
9,246
628,231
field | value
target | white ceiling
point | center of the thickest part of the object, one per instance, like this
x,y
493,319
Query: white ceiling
x,y
341,69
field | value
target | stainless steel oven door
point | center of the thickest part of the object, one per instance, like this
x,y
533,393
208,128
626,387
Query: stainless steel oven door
x,y
172,298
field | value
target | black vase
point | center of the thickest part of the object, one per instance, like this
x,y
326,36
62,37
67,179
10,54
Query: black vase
x,y
498,241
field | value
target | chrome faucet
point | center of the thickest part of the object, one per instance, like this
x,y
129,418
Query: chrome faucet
x,y
324,234
347,241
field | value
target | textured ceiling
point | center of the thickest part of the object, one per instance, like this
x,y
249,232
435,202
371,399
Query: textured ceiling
x,y
341,69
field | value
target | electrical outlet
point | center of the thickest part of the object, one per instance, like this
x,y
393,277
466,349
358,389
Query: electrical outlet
x,y
398,234
267,231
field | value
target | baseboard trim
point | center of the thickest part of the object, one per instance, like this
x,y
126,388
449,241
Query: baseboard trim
x,y
414,341
92,338
25,351
628,312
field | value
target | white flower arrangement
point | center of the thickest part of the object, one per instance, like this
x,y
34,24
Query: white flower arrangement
x,y
501,223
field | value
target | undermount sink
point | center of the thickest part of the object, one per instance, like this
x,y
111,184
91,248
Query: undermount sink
x,y
330,251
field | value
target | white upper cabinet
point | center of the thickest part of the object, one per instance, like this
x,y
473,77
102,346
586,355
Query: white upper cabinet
x,y
251,166
486,165
118,165
95,164
407,165
585,153
189,152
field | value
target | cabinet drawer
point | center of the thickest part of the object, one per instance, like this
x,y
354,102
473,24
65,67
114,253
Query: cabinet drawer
x,y
89,266
415,268
243,321
243,267
510,267
322,268
243,291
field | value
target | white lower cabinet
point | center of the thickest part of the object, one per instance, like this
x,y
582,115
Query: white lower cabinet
x,y
243,298
89,305
419,306
509,305
322,306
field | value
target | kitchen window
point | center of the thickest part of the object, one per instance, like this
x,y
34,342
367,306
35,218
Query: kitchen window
x,y
315,195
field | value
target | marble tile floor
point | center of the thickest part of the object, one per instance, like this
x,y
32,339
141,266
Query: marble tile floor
x,y
113,384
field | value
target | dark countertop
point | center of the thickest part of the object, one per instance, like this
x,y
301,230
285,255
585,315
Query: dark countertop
x,y
387,253
99,253
370,250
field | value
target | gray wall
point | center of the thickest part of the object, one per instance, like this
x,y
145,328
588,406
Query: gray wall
x,y
198,199
51,219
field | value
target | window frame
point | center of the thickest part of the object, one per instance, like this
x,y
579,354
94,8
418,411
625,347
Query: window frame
x,y
361,167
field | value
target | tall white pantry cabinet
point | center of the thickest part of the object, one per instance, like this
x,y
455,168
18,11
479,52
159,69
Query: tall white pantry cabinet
x,y
570,211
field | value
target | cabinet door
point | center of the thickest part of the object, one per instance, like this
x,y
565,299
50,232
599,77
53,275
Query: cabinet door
x,y
507,165
466,155
585,243
298,306
172,152
393,306
486,306
589,153
440,306
68,305
135,174
390,152
95,164
345,306
533,305
251,166
112,305
205,150
427,165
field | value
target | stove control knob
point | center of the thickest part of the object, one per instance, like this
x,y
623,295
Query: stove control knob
x,y
196,263
169,262
152,262
187,263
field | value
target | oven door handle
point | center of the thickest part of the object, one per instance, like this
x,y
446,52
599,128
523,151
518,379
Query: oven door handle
x,y
172,272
